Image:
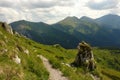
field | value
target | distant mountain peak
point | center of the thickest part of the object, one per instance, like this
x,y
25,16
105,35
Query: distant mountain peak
x,y
109,20
111,15
21,21
70,21
71,17
85,18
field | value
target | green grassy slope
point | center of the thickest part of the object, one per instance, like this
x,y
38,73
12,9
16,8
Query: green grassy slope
x,y
30,68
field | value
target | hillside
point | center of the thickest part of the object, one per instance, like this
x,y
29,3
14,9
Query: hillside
x,y
44,33
19,60
71,30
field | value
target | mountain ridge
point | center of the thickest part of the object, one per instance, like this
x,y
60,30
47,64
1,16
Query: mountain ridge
x,y
109,21
83,29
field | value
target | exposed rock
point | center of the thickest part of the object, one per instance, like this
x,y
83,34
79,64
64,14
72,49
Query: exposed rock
x,y
20,48
3,51
17,59
38,55
14,32
1,71
6,27
57,45
66,64
26,51
85,57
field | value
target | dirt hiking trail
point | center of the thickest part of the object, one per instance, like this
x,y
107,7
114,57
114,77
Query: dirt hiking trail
x,y
54,73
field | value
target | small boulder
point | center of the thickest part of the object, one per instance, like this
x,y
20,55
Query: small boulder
x,y
20,48
26,51
17,59
6,27
57,45
3,51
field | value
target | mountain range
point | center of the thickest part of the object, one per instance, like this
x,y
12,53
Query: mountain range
x,y
102,32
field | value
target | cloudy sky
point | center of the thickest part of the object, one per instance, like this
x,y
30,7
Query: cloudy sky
x,y
51,11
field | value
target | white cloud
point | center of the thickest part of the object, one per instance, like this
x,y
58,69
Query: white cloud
x,y
9,14
51,11
116,10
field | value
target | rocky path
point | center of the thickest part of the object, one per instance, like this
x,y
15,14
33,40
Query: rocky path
x,y
54,73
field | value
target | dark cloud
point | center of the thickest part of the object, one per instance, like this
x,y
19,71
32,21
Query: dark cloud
x,y
105,4
9,3
32,4
5,4
48,4
39,4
